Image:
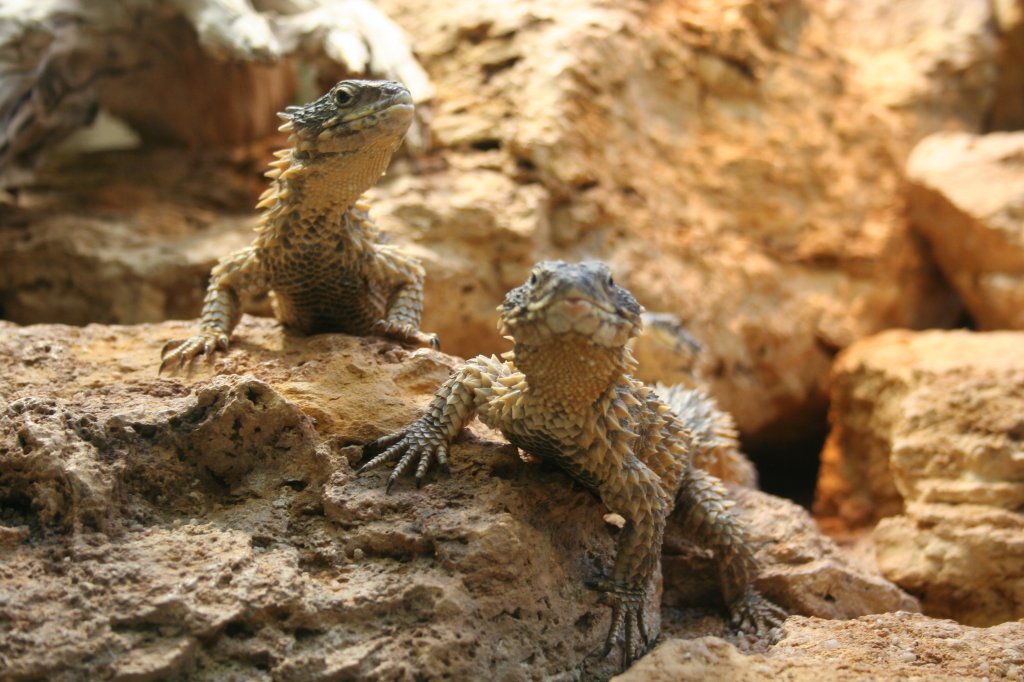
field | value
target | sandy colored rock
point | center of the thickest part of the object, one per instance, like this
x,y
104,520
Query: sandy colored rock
x,y
804,570
934,63
894,646
137,244
924,417
967,198
732,144
212,526
926,432
965,561
1008,110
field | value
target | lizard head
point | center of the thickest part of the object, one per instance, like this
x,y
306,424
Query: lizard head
x,y
354,114
570,298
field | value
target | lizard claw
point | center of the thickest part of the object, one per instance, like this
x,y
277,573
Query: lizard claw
x,y
179,353
419,443
406,333
754,614
627,624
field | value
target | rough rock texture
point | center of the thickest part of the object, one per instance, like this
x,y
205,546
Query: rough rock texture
x,y
967,198
934,63
127,244
927,430
205,73
1008,109
212,525
736,144
894,646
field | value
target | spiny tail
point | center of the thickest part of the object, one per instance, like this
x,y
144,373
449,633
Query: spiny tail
x,y
715,436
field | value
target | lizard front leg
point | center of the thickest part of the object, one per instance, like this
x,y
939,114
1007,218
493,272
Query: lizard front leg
x,y
636,494
703,506
222,309
428,438
402,320
405,305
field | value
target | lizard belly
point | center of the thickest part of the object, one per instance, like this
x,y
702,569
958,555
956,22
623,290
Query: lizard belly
x,y
320,296
550,447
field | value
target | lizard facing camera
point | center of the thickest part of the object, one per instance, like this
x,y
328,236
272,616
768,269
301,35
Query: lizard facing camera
x,y
565,393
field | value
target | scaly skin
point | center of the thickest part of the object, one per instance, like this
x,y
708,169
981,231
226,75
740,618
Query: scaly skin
x,y
565,394
316,248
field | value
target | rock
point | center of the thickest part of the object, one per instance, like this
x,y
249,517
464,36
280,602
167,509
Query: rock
x,y
935,64
731,144
967,199
963,560
138,247
894,646
805,572
926,432
62,62
1008,110
211,525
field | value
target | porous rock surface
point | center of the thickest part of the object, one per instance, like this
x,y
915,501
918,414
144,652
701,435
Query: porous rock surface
x,y
738,145
928,436
211,525
967,198
893,646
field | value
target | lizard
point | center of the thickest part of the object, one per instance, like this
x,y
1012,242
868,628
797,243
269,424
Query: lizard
x,y
565,394
316,247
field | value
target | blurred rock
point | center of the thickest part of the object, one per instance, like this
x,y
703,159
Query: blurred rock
x,y
211,526
965,561
967,198
935,64
1008,109
926,434
894,646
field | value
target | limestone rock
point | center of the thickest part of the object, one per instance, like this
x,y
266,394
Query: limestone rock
x,y
935,63
211,525
1008,110
894,646
172,68
964,560
926,431
805,571
731,145
967,199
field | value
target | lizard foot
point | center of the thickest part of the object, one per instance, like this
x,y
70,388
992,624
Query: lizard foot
x,y
627,623
754,614
406,333
179,353
419,442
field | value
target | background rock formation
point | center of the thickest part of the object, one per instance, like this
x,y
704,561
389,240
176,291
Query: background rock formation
x,y
926,435
967,198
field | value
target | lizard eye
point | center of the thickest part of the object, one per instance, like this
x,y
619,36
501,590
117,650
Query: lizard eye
x,y
342,97
611,281
533,278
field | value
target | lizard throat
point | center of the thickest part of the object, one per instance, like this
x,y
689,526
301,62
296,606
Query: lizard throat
x,y
570,372
311,196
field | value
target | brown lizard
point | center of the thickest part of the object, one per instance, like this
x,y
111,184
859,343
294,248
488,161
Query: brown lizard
x,y
565,394
316,247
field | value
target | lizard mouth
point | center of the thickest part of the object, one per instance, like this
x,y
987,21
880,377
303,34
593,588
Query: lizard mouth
x,y
573,315
584,305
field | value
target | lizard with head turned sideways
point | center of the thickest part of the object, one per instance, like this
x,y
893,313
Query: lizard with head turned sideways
x,y
316,248
565,393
